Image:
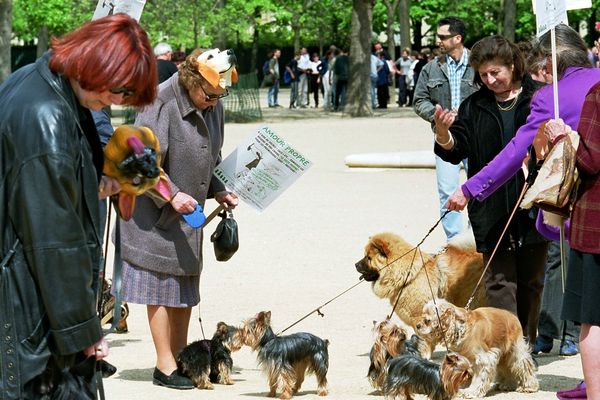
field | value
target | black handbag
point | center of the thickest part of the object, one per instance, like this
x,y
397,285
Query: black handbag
x,y
225,237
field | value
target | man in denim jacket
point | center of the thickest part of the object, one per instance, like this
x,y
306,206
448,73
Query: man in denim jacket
x,y
447,81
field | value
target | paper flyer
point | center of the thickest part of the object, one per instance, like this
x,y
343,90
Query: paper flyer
x,y
133,8
261,168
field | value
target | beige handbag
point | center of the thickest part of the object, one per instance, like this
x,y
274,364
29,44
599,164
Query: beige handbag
x,y
555,186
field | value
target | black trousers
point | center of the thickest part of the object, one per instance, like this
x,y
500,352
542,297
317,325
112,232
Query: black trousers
x,y
514,282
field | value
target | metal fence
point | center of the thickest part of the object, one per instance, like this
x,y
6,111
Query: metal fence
x,y
242,104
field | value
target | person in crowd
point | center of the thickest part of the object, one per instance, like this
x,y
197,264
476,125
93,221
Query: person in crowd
x,y
303,73
52,181
340,77
375,64
162,257
581,296
314,78
486,122
446,81
383,74
550,326
273,93
326,79
403,64
178,57
166,67
293,70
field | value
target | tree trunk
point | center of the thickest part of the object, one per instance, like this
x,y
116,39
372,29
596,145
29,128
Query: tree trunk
x,y
391,13
254,55
221,40
42,45
404,8
510,13
418,35
296,30
5,36
358,100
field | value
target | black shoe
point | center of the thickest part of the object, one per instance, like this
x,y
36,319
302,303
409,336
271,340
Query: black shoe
x,y
173,381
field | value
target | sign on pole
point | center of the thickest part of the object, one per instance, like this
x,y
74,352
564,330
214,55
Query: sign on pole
x,y
261,168
548,14
133,8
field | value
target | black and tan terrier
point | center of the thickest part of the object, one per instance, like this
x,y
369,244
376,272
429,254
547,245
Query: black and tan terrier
x,y
390,341
209,361
286,359
408,375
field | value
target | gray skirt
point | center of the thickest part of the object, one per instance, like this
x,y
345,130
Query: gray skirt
x,y
140,286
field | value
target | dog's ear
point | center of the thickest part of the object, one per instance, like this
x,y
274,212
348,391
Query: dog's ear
x,y
381,245
267,317
222,328
212,76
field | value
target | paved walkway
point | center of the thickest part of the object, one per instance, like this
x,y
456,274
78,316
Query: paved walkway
x,y
300,252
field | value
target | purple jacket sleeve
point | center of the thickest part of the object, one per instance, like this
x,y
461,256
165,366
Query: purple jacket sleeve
x,y
509,160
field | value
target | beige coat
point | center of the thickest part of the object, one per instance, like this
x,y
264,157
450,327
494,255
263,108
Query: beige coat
x,y
157,238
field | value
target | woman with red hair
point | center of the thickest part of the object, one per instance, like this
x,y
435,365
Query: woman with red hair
x,y
50,185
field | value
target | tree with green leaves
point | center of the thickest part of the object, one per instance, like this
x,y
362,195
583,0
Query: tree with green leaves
x,y
5,36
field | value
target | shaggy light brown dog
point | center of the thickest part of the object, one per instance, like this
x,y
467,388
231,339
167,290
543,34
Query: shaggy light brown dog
x,y
492,340
453,275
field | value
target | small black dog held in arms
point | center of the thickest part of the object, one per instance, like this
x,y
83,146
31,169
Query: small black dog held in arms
x,y
209,361
408,375
286,359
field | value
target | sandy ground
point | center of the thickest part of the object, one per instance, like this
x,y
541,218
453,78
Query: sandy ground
x,y
300,252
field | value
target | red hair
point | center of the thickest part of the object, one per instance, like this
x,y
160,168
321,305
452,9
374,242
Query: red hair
x,y
109,52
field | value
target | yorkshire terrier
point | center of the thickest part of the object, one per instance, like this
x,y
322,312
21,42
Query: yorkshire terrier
x,y
285,359
209,361
390,341
409,374
492,340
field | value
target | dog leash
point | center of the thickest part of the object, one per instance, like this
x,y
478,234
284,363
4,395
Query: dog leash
x,y
415,249
510,218
361,280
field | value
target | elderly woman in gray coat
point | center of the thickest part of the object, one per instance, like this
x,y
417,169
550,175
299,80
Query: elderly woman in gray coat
x,y
162,254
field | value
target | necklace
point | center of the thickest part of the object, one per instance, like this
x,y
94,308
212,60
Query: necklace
x,y
512,104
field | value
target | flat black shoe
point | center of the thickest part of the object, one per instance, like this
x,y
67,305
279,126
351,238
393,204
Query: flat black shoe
x,y
173,381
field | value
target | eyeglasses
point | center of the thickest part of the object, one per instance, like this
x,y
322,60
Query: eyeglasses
x,y
122,90
445,37
211,97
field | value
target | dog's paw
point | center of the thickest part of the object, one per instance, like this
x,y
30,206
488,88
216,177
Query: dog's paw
x,y
528,389
469,394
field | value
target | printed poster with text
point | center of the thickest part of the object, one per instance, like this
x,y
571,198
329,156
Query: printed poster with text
x,y
261,168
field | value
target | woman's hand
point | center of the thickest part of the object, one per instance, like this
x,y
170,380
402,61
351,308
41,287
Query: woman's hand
x,y
443,118
555,129
228,198
107,187
98,349
183,203
457,201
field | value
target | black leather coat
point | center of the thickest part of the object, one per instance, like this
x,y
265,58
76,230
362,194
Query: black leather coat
x,y
49,217
478,136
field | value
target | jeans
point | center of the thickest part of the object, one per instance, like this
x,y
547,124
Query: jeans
x,y
447,182
373,86
302,100
272,94
293,94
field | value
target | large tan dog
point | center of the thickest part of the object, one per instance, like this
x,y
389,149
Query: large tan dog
x,y
453,274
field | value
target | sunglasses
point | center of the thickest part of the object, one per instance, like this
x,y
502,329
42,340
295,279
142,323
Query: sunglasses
x,y
122,90
445,37
211,97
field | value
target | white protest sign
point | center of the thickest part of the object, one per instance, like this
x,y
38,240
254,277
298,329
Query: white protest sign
x,y
133,8
261,168
571,4
549,13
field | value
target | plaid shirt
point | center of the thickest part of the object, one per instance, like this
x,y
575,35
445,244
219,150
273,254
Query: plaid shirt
x,y
585,223
455,73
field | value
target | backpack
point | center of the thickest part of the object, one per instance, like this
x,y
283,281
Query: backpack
x,y
265,68
287,78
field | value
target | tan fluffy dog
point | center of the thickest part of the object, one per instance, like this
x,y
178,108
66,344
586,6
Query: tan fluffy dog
x,y
453,275
491,338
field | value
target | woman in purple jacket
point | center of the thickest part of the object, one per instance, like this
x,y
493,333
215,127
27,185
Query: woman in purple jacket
x,y
576,76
